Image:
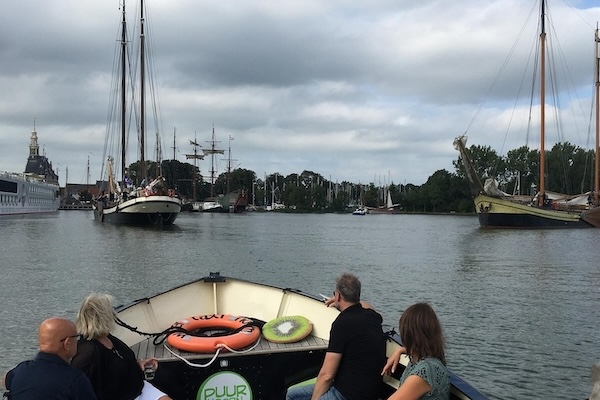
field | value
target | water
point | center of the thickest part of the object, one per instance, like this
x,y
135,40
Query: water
x,y
519,308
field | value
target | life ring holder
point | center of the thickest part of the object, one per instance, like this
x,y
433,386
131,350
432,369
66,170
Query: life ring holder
x,y
241,332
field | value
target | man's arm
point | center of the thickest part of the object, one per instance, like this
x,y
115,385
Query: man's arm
x,y
326,374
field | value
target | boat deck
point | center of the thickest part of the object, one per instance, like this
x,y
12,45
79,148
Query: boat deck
x,y
147,349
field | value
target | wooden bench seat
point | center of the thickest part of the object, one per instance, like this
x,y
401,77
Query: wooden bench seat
x,y
147,349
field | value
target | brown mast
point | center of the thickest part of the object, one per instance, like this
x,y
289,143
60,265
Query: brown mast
x,y
142,93
597,149
542,103
123,86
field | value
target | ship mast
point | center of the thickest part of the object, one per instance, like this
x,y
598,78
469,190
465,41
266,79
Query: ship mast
x,y
597,149
212,151
142,92
123,86
195,156
542,102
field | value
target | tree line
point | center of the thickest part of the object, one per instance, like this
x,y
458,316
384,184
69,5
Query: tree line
x,y
569,170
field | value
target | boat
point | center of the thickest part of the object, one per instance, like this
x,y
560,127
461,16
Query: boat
x,y
210,204
234,201
360,211
122,202
389,207
191,367
34,191
194,205
544,209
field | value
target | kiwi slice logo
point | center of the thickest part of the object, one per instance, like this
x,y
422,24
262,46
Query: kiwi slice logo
x,y
287,329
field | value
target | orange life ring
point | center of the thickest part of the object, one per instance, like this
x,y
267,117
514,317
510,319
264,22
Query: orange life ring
x,y
243,334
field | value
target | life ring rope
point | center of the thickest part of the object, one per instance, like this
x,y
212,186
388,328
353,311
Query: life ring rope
x,y
240,333
216,355
160,337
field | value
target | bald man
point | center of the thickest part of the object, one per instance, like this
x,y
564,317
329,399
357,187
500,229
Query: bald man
x,y
49,375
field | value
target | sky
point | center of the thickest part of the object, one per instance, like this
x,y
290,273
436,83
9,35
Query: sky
x,y
360,91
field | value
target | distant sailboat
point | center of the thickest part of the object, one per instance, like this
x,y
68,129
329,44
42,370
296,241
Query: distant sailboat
x,y
389,208
230,201
211,204
497,209
122,202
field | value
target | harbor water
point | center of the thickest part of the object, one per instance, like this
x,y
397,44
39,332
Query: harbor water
x,y
519,307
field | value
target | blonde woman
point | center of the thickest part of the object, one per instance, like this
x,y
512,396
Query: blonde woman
x,y
109,363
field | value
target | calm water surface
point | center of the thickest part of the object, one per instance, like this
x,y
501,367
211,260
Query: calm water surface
x,y
519,308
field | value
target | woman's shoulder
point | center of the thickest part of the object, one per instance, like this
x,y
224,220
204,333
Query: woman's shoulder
x,y
431,370
86,350
429,363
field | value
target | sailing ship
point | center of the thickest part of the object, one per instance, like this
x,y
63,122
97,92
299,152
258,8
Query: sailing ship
x,y
544,209
33,192
195,205
232,201
122,202
389,208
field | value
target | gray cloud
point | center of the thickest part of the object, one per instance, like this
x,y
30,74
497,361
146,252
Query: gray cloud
x,y
357,91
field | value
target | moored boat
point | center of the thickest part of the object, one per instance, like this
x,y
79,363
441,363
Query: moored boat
x,y
264,369
360,211
542,209
234,201
33,192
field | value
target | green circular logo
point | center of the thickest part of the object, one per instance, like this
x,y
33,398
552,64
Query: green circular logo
x,y
225,385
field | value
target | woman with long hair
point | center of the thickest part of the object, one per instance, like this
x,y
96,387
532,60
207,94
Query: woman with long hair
x,y
426,376
108,362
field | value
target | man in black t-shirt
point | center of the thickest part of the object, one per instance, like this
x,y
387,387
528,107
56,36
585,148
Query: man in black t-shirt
x,y
356,353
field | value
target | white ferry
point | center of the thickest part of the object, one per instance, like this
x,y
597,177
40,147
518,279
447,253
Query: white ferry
x,y
34,191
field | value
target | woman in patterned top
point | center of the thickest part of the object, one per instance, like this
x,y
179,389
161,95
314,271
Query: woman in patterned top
x,y
426,376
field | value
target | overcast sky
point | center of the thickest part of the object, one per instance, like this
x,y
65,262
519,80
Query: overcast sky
x,y
361,91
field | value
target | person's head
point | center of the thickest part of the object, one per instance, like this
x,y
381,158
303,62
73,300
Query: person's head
x,y
421,333
96,316
58,336
348,287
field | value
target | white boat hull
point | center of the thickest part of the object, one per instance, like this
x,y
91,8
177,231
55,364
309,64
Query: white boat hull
x,y
26,194
144,210
212,206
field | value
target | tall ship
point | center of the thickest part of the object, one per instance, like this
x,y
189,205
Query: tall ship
x,y
542,209
34,191
234,201
141,200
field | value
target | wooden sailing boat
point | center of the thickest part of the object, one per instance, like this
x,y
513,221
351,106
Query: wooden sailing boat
x,y
237,200
122,202
211,204
497,209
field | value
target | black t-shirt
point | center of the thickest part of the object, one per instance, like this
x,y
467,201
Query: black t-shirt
x,y
114,373
49,377
357,335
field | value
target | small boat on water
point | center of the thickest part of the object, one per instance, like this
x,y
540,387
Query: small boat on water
x,y
33,192
360,211
123,202
260,368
